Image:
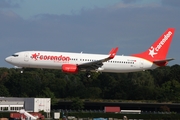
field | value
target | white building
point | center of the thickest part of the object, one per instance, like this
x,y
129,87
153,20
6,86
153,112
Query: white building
x,y
29,104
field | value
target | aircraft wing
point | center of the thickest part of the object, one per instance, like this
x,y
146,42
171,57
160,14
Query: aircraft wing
x,y
98,63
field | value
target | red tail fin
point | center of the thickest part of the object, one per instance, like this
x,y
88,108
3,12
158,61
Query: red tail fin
x,y
159,49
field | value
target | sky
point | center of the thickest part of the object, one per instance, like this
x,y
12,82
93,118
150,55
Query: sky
x,y
91,26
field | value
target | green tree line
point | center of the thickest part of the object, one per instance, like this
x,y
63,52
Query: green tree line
x,y
161,84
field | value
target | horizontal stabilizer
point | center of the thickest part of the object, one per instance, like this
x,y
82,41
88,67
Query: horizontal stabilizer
x,y
162,62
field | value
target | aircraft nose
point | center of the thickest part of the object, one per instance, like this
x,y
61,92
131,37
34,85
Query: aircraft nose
x,y
8,59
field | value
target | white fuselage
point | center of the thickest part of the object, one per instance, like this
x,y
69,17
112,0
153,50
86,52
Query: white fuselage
x,y
55,60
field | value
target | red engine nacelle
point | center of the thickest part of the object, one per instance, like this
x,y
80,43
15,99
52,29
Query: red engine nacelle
x,y
69,68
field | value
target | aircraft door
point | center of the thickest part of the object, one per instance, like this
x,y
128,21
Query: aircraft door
x,y
26,57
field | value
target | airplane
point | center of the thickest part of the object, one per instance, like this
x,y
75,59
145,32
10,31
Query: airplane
x,y
153,57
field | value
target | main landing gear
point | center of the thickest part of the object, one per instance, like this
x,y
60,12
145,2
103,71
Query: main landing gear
x,y
88,74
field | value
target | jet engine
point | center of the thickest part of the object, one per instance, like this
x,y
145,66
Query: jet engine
x,y
69,68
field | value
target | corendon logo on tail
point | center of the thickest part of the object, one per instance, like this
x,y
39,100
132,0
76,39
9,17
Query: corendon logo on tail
x,y
154,50
60,58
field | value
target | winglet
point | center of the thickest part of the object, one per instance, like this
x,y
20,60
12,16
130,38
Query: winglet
x,y
113,52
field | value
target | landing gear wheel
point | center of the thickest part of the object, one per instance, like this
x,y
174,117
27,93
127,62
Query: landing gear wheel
x,y
88,74
21,71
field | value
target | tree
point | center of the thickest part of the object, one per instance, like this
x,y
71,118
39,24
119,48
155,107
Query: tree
x,y
161,84
77,104
4,91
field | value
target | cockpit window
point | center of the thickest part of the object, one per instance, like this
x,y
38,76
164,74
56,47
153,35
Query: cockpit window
x,y
15,55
